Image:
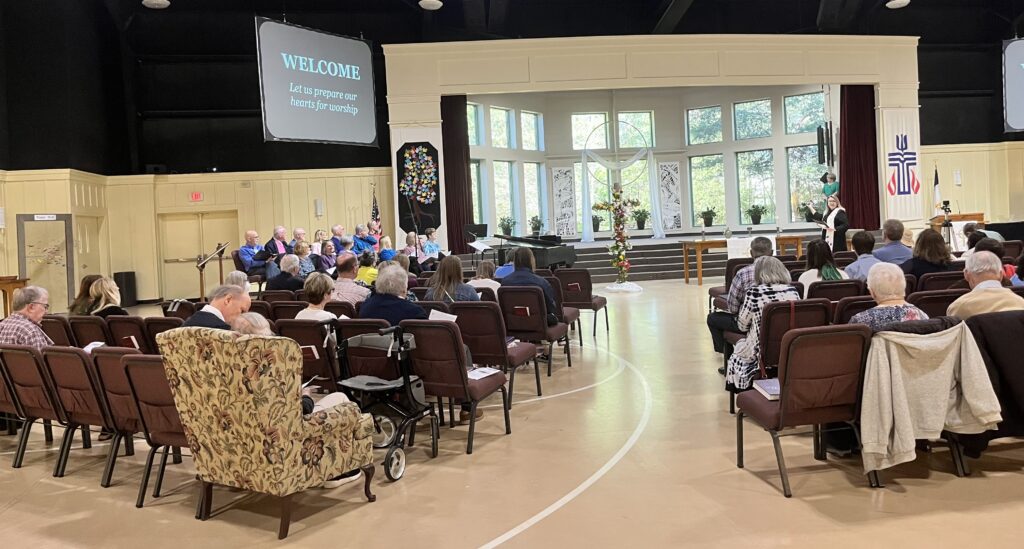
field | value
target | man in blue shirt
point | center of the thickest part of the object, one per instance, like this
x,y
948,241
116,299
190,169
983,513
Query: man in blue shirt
x,y
362,240
430,245
893,251
338,231
247,252
863,243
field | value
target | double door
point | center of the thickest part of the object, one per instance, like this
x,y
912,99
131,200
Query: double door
x,y
188,236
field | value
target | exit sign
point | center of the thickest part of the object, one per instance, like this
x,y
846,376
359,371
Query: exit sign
x,y
195,197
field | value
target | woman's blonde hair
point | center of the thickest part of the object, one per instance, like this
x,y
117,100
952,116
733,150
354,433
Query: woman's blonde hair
x,y
447,279
484,270
301,248
385,243
411,238
320,235
105,292
318,287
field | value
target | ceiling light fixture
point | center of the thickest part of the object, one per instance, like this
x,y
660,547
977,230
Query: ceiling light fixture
x,y
897,4
431,5
156,4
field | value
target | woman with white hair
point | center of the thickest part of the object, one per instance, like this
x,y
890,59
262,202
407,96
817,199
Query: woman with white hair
x,y
771,285
388,299
888,286
237,278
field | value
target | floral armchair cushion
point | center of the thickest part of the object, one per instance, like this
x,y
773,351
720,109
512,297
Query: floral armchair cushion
x,y
239,398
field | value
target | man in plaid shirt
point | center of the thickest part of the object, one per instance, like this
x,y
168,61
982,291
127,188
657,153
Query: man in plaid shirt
x,y
30,304
720,322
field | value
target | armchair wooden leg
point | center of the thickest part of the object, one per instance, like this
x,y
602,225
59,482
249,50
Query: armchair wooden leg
x,y
19,454
160,472
207,500
368,472
108,471
782,464
65,450
286,516
472,427
144,484
739,439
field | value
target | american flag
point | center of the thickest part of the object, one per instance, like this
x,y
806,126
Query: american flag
x,y
375,210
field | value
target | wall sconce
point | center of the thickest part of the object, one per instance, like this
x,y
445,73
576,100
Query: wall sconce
x,y
318,208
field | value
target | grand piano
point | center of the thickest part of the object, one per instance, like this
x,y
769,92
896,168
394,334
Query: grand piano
x,y
548,250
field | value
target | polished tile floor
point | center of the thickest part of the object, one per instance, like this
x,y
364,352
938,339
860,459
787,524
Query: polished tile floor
x,y
631,447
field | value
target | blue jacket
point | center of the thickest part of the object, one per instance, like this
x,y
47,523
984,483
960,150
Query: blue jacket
x,y
362,243
894,252
246,253
390,308
525,277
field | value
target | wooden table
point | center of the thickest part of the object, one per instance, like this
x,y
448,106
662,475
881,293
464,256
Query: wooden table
x,y
797,241
7,286
699,246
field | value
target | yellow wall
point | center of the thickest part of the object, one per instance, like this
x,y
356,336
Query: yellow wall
x,y
115,219
991,174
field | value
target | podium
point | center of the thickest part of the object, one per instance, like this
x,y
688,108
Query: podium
x,y
937,221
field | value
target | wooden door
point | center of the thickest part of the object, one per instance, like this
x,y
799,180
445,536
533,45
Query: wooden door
x,y
185,238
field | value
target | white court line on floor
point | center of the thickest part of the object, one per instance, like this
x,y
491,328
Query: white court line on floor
x,y
621,368
566,499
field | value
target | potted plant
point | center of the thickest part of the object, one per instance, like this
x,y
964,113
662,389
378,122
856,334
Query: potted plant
x,y
755,212
597,219
507,225
641,216
536,224
708,216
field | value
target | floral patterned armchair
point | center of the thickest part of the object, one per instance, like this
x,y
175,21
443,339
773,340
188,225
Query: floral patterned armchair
x,y
239,398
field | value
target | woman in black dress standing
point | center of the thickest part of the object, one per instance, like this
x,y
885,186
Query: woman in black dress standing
x,y
836,223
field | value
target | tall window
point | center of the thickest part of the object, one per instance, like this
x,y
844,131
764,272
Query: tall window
x,y
600,191
804,184
636,129
590,131
704,125
478,191
473,122
635,183
530,130
755,171
804,113
533,193
501,127
707,187
503,199
753,119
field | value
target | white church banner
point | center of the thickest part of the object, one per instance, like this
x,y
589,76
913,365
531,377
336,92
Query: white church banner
x,y
901,184
564,201
668,190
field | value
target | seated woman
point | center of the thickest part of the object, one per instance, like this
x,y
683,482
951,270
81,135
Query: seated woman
x,y
446,285
327,259
367,270
820,265
522,259
930,255
409,295
317,246
485,276
237,278
405,262
888,286
307,261
771,284
373,229
84,302
388,299
346,245
107,296
318,287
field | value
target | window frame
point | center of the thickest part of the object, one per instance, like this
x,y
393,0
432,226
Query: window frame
x,y
721,126
538,128
618,134
785,111
774,187
771,119
724,215
509,126
607,135
478,114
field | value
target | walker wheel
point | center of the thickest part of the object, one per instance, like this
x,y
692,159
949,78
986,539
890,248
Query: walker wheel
x,y
385,431
394,463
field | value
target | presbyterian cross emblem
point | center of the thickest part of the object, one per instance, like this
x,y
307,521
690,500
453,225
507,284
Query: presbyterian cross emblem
x,y
903,180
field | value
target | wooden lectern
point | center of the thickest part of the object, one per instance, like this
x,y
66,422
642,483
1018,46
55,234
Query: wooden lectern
x,y
7,286
936,222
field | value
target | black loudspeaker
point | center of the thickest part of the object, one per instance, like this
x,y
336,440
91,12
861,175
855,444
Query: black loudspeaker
x,y
156,168
474,231
126,283
821,145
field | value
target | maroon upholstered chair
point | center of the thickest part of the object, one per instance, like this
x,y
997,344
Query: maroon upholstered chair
x,y
791,266
786,257
544,273
271,296
286,310
130,331
934,303
363,361
179,307
441,362
958,265
117,399
239,266
845,255
157,414
844,262
58,329
1013,248
300,295
313,335
156,325
578,292
565,313
26,379
717,294
483,331
911,284
88,329
433,305
834,290
848,306
487,294
813,391
420,292
525,314
338,308
261,308
78,392
939,281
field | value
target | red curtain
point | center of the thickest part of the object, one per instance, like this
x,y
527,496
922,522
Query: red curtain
x,y
858,157
458,191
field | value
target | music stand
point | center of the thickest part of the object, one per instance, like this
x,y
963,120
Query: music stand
x,y
201,265
474,231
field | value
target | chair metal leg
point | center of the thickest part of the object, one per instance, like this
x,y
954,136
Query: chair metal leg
x,y
47,431
782,464
506,399
551,349
607,327
451,413
472,427
732,402
818,443
579,331
65,450
108,471
160,472
596,313
19,454
145,477
440,410
739,439
368,472
129,444
286,516
86,437
176,455
873,479
568,351
511,384
536,373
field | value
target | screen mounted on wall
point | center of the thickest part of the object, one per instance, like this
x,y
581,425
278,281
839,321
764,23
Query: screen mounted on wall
x,y
1013,84
315,86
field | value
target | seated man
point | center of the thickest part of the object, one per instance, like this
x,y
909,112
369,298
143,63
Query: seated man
x,y
973,227
720,322
23,327
345,287
225,303
247,254
362,240
337,232
288,278
983,243
298,235
893,250
277,244
525,264
984,272
863,244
